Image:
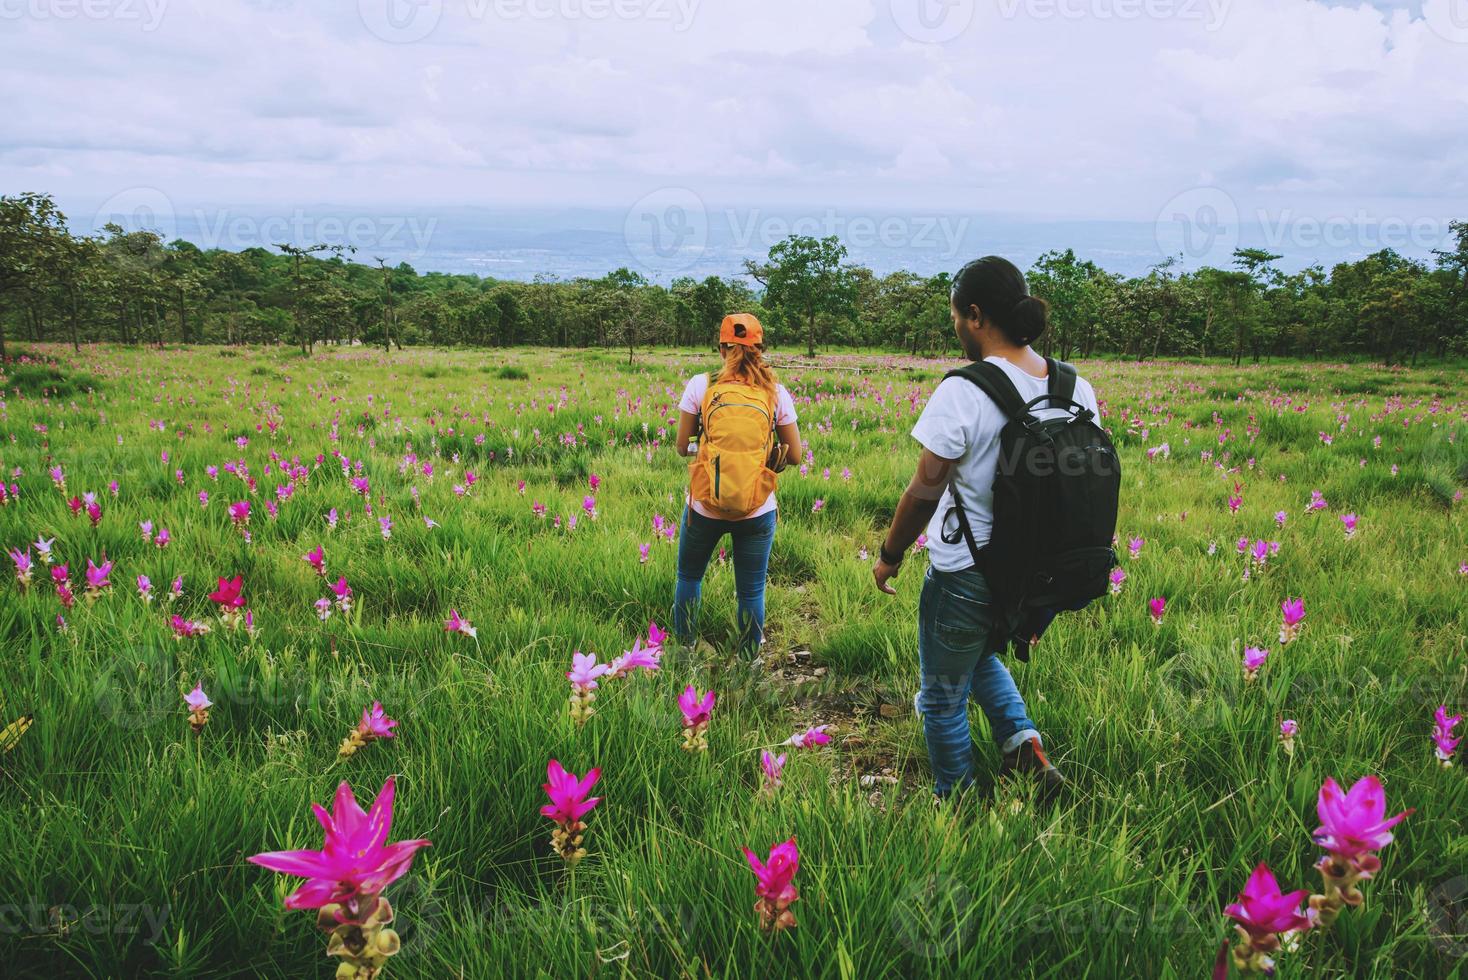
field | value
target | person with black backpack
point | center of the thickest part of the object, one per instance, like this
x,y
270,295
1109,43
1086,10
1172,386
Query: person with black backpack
x,y
1017,488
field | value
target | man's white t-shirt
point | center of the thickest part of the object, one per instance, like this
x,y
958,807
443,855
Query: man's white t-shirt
x,y
960,422
692,403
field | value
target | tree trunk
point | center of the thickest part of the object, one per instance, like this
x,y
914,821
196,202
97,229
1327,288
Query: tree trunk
x,y
75,302
810,334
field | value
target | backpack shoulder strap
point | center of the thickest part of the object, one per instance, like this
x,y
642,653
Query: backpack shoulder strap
x,y
991,379
1062,379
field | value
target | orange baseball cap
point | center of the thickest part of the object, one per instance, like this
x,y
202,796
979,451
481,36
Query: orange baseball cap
x,y
741,328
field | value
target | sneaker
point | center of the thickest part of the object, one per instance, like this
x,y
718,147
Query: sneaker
x,y
1029,757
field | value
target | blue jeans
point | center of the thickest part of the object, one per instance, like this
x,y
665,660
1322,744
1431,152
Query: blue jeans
x,y
955,617
697,539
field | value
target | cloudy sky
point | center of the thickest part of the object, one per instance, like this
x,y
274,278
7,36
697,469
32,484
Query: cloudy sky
x,y
1123,110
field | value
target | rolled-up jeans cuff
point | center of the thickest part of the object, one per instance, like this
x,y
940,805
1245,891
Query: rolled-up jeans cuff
x,y
1017,739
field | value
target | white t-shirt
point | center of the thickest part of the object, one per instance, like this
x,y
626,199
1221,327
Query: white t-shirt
x,y
692,403
962,423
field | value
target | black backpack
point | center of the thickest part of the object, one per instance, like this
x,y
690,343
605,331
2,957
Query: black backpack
x,y
1055,502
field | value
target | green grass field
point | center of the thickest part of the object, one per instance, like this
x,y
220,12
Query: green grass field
x,y
123,835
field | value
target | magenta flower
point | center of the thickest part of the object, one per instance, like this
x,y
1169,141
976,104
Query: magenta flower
x,y
97,576
647,658
1353,823
384,525
1117,577
145,588
146,529
457,624
1288,729
588,504
644,552
772,766
1253,660
1349,522
1294,615
316,558
568,804
376,723
1260,915
343,593
568,794
94,512
1157,607
196,699
655,635
23,564
775,884
810,738
229,595
355,862
323,609
239,513
1442,734
162,538
1134,546
1280,517
585,671
187,627
1234,503
594,482
696,710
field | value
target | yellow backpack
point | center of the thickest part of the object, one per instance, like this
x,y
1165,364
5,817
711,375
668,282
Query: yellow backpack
x,y
731,476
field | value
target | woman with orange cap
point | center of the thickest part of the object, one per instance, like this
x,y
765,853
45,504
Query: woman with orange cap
x,y
739,425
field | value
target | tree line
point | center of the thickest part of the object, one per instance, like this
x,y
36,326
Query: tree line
x,y
131,287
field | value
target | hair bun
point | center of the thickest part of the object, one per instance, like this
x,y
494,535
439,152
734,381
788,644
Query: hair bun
x,y
1027,320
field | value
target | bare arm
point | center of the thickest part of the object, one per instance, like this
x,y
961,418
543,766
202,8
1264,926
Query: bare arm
x,y
789,436
687,426
917,506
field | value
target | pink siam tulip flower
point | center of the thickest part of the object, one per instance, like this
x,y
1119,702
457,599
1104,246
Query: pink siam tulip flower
x,y
203,498
230,599
1288,729
921,544
60,575
1253,660
145,588
94,513
1260,915
696,714
772,766
146,529
198,704
818,506
1134,546
43,548
583,676
1317,501
644,553
331,519
1294,615
1353,827
1117,577
97,578
239,513
1234,503
384,525
323,609
457,624
1442,734
58,478
568,804
538,509
355,863
343,594
23,565
811,738
187,628
162,538
1280,517
1158,608
775,885
594,482
1348,521
588,505
644,657
76,505
176,589
375,724
316,558
656,636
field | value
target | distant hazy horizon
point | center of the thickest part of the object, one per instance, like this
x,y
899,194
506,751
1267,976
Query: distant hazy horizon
x,y
672,232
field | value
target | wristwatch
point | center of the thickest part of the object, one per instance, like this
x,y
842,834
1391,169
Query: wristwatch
x,y
887,558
